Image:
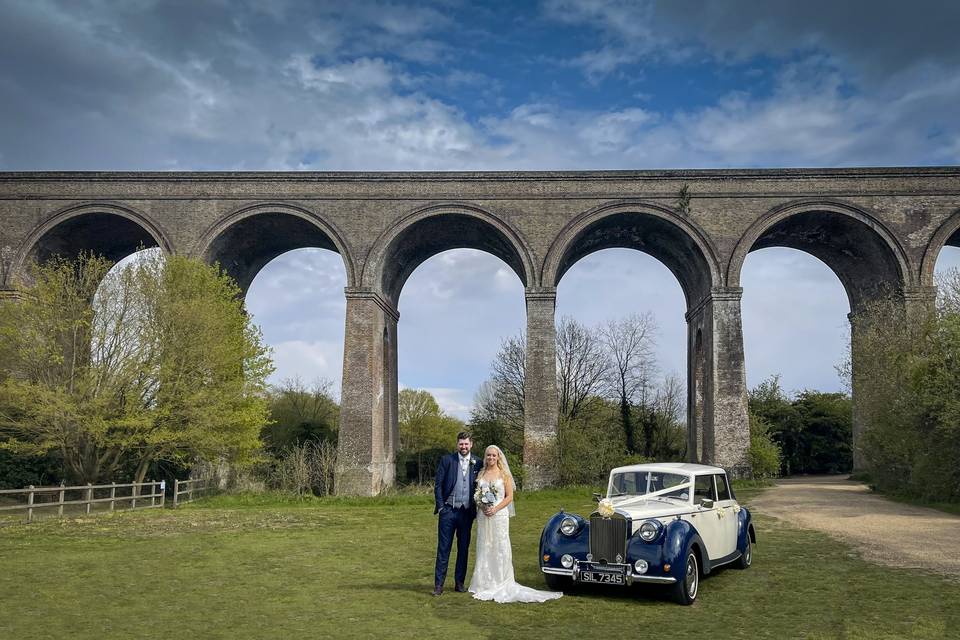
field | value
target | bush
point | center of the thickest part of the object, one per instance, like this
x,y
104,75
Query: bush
x,y
764,452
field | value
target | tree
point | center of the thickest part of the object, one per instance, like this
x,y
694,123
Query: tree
x,y
582,366
907,380
629,344
118,369
300,414
424,428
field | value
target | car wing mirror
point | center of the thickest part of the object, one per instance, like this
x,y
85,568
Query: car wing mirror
x,y
597,497
706,503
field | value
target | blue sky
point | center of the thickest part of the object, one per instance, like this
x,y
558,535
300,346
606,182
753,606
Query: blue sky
x,y
450,85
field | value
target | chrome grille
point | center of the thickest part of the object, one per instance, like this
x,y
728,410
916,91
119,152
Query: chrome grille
x,y
608,538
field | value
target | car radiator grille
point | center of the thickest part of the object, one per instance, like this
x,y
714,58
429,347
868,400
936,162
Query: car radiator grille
x,y
608,538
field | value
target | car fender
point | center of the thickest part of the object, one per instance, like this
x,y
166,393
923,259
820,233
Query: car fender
x,y
745,530
679,536
554,544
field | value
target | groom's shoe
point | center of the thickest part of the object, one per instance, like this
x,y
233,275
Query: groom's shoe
x,y
438,590
460,588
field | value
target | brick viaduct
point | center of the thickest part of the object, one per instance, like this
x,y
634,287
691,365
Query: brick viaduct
x,y
877,229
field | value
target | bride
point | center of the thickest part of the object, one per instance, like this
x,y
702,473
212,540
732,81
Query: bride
x,y
493,572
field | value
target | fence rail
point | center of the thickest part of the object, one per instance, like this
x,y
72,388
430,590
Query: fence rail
x,y
138,492
183,490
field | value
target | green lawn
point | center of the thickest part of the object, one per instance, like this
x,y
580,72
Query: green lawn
x,y
238,567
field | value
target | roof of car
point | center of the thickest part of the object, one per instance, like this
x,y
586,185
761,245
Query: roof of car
x,y
675,467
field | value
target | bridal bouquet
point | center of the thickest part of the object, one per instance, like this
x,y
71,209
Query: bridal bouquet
x,y
486,496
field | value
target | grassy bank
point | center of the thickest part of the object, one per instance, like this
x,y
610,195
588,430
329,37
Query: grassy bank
x,y
256,567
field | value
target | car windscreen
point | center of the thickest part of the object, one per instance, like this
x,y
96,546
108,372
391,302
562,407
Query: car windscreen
x,y
641,483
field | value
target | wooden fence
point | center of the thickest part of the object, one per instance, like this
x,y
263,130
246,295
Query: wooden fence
x,y
184,490
42,498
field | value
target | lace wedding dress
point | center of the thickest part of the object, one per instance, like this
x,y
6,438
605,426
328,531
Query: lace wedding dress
x,y
493,572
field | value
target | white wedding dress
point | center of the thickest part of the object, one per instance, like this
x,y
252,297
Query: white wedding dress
x,y
493,571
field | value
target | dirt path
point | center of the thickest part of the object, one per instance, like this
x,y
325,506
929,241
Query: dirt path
x,y
884,531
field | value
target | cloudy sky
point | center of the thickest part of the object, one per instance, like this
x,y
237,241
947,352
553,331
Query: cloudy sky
x,y
452,85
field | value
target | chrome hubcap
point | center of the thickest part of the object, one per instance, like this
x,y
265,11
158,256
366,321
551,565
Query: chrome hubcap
x,y
691,578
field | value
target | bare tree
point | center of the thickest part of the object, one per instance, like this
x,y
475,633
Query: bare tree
x,y
509,371
629,343
582,366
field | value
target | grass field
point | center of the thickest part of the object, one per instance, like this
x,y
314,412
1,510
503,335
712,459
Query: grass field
x,y
256,567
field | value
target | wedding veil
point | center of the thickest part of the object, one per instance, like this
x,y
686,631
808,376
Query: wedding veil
x,y
506,467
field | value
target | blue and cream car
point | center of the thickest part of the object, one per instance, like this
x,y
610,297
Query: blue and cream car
x,y
665,524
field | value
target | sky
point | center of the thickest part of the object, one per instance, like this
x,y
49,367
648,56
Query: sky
x,y
455,85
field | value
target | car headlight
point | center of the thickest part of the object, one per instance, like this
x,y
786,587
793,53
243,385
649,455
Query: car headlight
x,y
650,529
569,526
566,560
641,566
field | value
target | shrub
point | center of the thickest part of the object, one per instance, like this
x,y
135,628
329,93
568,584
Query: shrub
x,y
764,452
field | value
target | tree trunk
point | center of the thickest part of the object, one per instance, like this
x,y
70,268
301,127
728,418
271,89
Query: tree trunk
x,y
627,424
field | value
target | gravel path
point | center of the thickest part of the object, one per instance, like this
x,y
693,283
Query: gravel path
x,y
885,532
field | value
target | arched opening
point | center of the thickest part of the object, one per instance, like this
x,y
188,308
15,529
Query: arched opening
x,y
292,268
441,231
949,257
799,317
677,248
251,238
607,294
457,309
105,230
679,254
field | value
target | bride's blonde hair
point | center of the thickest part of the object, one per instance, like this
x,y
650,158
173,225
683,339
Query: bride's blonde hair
x,y
503,471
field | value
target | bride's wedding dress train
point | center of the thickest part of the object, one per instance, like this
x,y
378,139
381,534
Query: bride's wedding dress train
x,y
493,573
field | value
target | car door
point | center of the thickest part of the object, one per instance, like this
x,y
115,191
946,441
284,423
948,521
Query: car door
x,y
706,521
728,522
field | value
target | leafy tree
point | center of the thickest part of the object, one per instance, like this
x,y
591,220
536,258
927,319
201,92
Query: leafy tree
x,y
426,432
301,414
118,369
907,381
812,430
765,458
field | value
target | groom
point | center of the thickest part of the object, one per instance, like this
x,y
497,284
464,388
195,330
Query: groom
x,y
453,493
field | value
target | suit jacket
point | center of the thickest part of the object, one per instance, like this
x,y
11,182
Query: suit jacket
x,y
446,479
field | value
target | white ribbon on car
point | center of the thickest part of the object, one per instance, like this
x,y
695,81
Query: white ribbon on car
x,y
654,494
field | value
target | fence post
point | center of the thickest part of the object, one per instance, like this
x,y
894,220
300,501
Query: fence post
x,y
89,496
30,504
134,493
192,482
60,500
176,492
163,493
113,494
153,493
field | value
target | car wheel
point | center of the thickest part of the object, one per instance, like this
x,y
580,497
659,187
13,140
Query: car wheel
x,y
746,558
685,591
557,583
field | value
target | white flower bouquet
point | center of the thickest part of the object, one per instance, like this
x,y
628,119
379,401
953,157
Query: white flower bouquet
x,y
486,495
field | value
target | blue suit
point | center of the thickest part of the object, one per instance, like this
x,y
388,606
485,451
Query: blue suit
x,y
454,521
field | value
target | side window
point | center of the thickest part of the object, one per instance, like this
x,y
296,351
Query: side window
x,y
723,491
703,488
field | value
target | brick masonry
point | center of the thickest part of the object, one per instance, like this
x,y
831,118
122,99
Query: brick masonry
x,y
878,229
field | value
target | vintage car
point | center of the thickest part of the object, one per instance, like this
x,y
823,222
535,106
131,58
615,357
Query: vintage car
x,y
665,524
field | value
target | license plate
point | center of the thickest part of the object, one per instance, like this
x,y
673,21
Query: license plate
x,y
601,577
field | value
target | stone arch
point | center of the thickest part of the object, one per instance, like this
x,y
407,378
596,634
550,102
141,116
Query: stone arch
x,y
111,230
247,239
947,234
654,229
864,254
439,227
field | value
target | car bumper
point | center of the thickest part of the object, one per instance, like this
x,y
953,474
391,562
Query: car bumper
x,y
630,576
